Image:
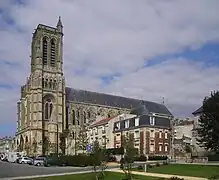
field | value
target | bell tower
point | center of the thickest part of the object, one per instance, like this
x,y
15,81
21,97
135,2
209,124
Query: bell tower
x,y
47,87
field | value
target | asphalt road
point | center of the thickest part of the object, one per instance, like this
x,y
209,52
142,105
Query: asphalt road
x,y
19,170
9,170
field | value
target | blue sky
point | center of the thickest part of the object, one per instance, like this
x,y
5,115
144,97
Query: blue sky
x,y
148,49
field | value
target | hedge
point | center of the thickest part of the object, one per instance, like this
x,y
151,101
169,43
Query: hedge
x,y
115,151
141,158
213,157
74,160
154,158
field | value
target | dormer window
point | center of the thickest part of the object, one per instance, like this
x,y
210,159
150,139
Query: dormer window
x,y
136,121
152,120
127,124
117,126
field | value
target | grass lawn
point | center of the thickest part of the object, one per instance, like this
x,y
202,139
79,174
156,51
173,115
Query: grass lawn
x,y
187,170
90,176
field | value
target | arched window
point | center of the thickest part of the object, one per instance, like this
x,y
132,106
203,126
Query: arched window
x,y
54,84
45,50
50,84
46,83
73,117
78,114
48,109
88,114
84,116
52,51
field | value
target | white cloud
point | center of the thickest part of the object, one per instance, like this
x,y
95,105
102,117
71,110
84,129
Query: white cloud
x,y
106,37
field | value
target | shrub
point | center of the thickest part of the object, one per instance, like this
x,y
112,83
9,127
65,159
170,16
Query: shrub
x,y
176,178
157,164
114,151
77,160
154,158
111,159
213,157
165,163
140,167
141,158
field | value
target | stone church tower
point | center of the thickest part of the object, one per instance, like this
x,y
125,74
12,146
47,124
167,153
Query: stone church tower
x,y
41,109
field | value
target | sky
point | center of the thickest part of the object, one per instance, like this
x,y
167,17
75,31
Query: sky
x,y
146,49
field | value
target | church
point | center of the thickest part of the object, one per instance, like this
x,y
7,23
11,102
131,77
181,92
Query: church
x,y
47,108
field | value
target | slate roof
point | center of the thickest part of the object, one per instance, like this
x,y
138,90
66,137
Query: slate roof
x,y
78,95
198,111
101,122
140,110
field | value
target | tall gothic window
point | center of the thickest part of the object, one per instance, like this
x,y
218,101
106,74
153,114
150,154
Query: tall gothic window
x,y
73,117
88,114
45,49
84,116
48,109
52,51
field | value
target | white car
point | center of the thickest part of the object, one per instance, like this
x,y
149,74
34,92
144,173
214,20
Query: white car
x,y
25,160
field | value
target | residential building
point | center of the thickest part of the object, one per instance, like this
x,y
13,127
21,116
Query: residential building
x,y
151,132
103,130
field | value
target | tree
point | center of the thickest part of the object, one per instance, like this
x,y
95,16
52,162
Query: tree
x,y
130,153
96,157
46,145
34,145
81,140
208,130
62,143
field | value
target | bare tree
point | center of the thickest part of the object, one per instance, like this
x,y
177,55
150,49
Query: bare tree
x,y
130,153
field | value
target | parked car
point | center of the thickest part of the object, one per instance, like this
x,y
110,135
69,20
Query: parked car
x,y
39,161
25,160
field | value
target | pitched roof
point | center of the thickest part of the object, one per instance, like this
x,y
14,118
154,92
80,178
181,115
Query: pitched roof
x,y
101,122
77,95
198,111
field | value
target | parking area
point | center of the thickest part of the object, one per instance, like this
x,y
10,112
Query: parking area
x,y
8,169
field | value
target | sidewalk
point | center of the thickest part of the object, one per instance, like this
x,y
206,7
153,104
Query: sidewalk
x,y
159,175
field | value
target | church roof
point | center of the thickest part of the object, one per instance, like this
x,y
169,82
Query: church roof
x,y
78,95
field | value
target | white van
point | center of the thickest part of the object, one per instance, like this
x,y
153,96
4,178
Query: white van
x,y
13,156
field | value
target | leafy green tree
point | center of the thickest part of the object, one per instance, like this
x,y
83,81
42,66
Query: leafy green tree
x,y
62,144
208,130
81,140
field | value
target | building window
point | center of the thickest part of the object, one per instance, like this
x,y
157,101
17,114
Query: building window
x,y
127,124
136,121
73,117
96,131
48,109
151,147
136,135
160,147
104,129
117,126
45,50
166,135
78,114
166,148
152,134
52,55
152,120
160,134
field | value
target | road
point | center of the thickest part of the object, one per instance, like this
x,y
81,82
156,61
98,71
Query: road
x,y
20,170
